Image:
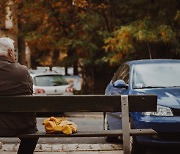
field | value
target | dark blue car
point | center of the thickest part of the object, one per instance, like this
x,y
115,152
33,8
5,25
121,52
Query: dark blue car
x,y
160,77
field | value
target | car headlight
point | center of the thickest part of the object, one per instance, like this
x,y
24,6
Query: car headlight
x,y
161,111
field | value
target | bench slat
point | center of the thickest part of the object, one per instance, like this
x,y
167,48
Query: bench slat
x,y
91,133
76,103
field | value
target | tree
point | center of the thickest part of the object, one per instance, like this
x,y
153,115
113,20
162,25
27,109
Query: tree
x,y
98,35
2,13
152,33
72,28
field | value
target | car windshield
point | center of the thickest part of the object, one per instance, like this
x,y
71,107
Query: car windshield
x,y
156,75
50,80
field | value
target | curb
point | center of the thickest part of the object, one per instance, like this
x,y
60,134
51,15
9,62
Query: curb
x,y
64,147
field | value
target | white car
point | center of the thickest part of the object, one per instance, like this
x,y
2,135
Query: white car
x,y
47,82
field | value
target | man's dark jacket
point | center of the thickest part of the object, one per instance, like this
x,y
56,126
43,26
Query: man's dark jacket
x,y
15,80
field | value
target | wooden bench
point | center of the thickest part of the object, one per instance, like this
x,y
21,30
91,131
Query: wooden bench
x,y
85,103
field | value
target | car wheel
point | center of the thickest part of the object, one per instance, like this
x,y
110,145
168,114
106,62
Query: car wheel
x,y
136,148
110,139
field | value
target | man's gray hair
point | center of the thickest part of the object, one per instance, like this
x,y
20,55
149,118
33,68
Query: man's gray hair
x,y
5,44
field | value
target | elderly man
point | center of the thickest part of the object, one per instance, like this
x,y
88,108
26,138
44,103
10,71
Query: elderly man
x,y
15,80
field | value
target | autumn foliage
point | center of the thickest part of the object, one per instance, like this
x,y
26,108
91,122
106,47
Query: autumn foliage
x,y
98,35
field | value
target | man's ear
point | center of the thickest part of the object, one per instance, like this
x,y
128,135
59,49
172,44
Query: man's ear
x,y
10,54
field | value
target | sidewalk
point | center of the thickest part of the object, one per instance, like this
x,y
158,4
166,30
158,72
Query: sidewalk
x,y
74,152
67,149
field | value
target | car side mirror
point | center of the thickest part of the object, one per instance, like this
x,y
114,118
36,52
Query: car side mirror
x,y
120,84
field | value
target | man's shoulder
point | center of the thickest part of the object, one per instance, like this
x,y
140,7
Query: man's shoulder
x,y
20,66
20,70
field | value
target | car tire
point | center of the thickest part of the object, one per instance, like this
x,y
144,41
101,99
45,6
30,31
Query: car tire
x,y
136,148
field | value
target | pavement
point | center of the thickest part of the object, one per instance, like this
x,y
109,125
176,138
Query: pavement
x,y
66,148
87,152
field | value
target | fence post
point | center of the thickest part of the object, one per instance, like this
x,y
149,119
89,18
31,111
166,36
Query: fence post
x,y
125,124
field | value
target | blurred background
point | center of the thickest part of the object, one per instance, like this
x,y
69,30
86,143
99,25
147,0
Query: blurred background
x,y
87,40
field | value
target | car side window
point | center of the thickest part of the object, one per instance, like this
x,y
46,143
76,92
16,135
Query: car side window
x,y
122,73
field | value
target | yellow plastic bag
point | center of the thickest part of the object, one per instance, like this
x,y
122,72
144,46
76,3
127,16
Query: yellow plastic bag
x,y
53,125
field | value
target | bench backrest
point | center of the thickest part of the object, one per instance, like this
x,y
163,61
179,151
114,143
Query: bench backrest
x,y
81,103
76,103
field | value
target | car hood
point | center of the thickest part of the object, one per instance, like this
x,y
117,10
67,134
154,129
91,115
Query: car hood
x,y
169,97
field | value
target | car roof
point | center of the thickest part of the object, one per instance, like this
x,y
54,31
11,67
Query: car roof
x,y
150,61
